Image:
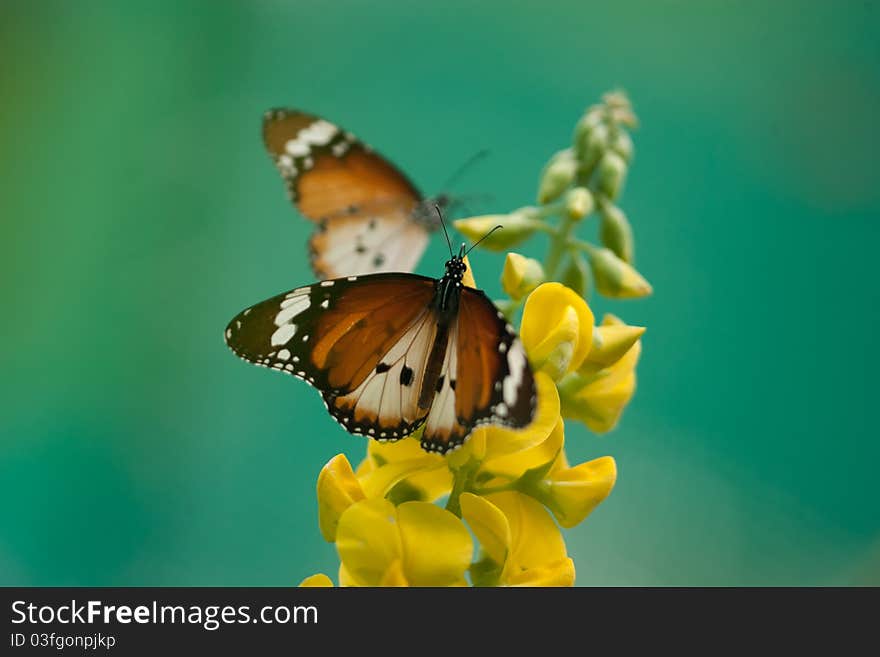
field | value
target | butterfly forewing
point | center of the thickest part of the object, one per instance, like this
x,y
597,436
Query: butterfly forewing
x,y
339,182
360,341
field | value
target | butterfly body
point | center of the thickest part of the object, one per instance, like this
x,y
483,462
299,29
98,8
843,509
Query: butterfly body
x,y
369,216
393,352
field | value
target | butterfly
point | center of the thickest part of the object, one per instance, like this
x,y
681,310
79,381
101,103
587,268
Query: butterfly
x,y
370,218
393,352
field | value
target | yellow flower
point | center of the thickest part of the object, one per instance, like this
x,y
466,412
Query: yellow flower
x,y
492,441
597,394
414,544
557,329
337,490
413,473
521,275
572,493
319,580
521,544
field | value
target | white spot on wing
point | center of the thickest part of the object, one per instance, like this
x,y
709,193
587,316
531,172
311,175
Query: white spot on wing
x,y
516,363
291,308
297,148
283,334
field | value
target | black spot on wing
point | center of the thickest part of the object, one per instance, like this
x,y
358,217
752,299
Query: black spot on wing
x,y
406,376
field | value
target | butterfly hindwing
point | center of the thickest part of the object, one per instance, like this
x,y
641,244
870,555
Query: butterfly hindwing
x,y
367,242
339,182
486,377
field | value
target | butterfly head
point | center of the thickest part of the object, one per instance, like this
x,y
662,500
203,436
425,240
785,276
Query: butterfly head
x,y
456,267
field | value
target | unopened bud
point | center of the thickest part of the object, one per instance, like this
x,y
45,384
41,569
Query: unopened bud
x,y
578,203
612,171
616,232
591,146
622,145
612,340
576,274
615,278
557,175
516,227
521,275
616,99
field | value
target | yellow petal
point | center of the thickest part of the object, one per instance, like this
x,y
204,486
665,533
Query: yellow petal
x,y
512,466
468,278
558,573
346,579
557,329
521,275
535,538
489,525
368,541
611,342
501,440
432,484
490,441
394,576
426,472
437,548
575,492
600,403
405,449
319,580
337,490
381,480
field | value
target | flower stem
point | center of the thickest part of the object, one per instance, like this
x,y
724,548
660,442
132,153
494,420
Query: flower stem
x,y
558,245
461,484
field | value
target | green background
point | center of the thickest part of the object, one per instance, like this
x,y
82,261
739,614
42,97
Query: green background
x,y
139,213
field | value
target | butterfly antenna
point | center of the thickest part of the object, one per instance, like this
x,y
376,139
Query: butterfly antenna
x,y
473,246
443,223
473,159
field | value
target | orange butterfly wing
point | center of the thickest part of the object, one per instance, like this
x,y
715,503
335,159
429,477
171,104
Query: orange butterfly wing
x,y
368,211
359,340
486,377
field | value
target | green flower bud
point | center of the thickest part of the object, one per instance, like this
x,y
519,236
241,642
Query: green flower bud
x,y
517,227
622,145
620,109
616,232
578,203
521,275
584,127
557,176
612,171
591,148
615,278
616,99
624,116
576,274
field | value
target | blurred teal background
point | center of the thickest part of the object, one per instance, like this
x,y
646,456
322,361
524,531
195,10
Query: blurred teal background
x,y
139,213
